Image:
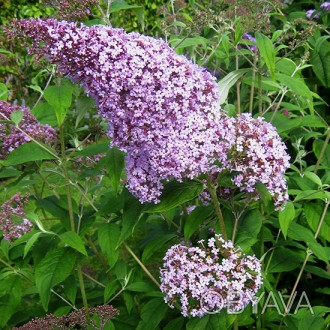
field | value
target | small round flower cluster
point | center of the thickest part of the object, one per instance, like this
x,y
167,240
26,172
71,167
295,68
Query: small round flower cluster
x,y
162,109
11,137
13,223
209,278
259,155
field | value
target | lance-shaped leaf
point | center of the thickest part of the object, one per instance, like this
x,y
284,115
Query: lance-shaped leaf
x,y
267,52
227,82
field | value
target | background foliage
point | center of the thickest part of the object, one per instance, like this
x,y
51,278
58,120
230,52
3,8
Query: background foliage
x,y
114,251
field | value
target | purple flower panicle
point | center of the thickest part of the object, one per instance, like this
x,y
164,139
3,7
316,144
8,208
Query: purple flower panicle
x,y
209,278
162,109
13,223
11,137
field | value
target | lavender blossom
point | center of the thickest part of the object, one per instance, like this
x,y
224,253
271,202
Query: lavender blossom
x,y
312,14
13,223
208,278
259,156
325,6
249,37
162,109
11,137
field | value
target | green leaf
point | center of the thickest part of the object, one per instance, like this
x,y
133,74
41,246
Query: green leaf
x,y
108,236
45,114
318,271
297,85
285,65
140,287
313,177
17,116
267,52
118,5
94,149
73,240
175,194
152,313
9,172
283,123
30,243
3,92
179,43
286,216
115,163
175,324
312,121
301,233
60,97
318,145
71,288
220,321
248,229
313,213
53,269
312,194
227,82
131,216
155,244
320,61
198,323
195,219
283,260
83,104
28,152
10,298
109,290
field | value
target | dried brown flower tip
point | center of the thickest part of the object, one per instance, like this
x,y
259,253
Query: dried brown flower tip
x,y
73,320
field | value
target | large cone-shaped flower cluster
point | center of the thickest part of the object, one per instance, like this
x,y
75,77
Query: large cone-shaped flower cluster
x,y
162,109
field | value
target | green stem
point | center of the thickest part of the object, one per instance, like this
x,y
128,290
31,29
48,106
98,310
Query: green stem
x,y
259,87
238,87
141,264
82,288
308,254
235,325
325,144
67,180
213,192
252,86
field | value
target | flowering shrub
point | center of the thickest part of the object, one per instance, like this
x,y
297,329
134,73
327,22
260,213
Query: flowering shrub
x,y
201,125
205,279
